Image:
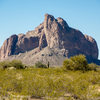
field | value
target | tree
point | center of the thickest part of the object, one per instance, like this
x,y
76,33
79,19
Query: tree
x,y
77,62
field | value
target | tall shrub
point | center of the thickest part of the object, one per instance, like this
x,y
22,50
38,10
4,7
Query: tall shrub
x,y
77,62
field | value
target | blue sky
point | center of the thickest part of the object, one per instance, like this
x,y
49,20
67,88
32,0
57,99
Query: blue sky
x,y
20,16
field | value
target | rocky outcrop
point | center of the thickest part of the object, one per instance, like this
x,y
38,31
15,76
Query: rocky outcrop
x,y
8,47
18,44
54,34
60,35
26,44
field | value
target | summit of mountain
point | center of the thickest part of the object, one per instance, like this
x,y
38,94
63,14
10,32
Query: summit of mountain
x,y
53,40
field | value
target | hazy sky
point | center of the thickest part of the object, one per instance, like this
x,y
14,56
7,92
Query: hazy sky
x,y
19,16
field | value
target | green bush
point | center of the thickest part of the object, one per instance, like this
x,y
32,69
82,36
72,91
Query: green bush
x,y
40,65
17,64
50,83
78,62
93,66
5,64
68,64
14,63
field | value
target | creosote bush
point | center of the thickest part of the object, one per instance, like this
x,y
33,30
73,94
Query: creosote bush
x,y
40,65
93,66
14,63
17,64
50,83
78,62
5,64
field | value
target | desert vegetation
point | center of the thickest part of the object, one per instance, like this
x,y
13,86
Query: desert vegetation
x,y
79,62
17,64
40,65
76,79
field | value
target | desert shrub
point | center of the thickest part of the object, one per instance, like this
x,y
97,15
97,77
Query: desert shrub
x,y
68,64
14,63
17,64
50,83
78,62
93,66
40,65
5,64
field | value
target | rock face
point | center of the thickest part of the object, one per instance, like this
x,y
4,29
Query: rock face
x,y
8,47
53,34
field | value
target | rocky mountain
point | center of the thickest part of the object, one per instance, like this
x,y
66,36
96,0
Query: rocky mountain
x,y
52,41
